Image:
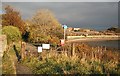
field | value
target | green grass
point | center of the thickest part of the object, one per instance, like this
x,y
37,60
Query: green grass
x,y
8,59
7,67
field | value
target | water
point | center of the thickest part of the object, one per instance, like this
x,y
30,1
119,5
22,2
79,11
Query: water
x,y
112,44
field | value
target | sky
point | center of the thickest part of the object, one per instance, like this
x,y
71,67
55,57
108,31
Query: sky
x,y
91,15
60,0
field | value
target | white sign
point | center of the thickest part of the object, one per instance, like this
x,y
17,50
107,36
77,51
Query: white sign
x,y
46,46
39,49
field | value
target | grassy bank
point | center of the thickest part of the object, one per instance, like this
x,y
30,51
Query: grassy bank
x,y
9,59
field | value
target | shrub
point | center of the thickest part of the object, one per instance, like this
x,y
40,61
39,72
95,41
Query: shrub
x,y
13,33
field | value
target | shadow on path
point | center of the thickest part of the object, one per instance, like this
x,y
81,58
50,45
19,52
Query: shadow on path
x,y
17,54
20,68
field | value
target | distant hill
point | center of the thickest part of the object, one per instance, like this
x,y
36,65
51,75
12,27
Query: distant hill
x,y
114,29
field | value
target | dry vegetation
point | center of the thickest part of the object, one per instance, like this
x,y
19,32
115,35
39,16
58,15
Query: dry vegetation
x,y
87,60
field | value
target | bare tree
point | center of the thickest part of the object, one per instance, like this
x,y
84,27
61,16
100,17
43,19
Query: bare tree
x,y
45,27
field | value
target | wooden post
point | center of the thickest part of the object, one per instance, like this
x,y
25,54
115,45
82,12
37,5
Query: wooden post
x,y
23,47
73,49
83,55
105,48
22,55
92,57
98,49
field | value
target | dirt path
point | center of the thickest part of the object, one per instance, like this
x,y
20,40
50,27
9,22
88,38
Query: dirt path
x,y
22,69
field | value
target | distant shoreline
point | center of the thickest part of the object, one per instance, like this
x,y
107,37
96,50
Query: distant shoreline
x,y
96,42
91,39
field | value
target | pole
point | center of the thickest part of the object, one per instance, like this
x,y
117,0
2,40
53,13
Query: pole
x,y
64,34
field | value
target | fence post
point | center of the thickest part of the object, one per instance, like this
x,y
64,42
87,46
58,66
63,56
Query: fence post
x,y
73,49
23,47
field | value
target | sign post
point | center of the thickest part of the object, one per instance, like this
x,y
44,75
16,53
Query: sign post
x,y
47,47
65,27
39,49
64,34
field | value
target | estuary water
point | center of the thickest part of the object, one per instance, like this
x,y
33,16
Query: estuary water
x,y
112,44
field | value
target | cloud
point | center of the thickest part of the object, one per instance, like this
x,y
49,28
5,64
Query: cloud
x,y
75,14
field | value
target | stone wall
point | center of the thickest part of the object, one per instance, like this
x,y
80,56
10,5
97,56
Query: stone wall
x,y
3,44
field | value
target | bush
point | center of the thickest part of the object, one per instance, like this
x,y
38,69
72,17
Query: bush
x,y
13,33
55,63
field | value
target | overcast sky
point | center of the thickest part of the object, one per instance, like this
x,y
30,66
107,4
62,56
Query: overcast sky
x,y
60,0
94,15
